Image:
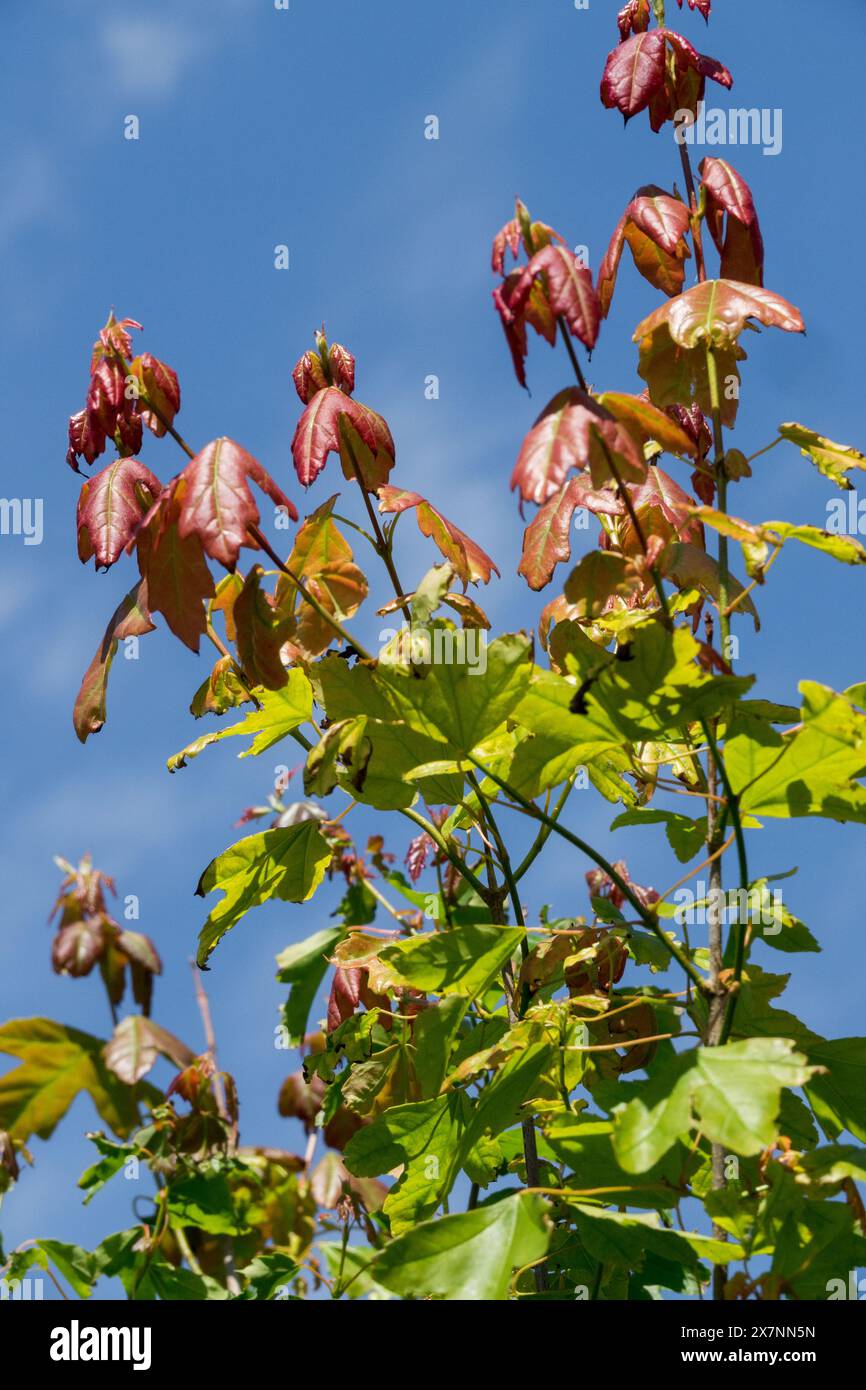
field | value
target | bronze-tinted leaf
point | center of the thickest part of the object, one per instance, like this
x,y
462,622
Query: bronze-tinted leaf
x,y
654,225
360,463
471,613
131,619
222,690
77,946
105,394
300,1099
570,291
342,364
128,433
309,376
344,997
178,579
136,1044
673,341
547,539
647,424
691,419
655,233
609,267
110,506
633,18
162,389
318,432
738,242
469,562
686,83
600,576
261,631
634,72
509,238
660,216
510,301
216,503
86,439
692,568
675,508
573,431
717,311
322,558
557,442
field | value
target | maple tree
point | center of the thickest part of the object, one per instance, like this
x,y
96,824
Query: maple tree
x,y
615,1099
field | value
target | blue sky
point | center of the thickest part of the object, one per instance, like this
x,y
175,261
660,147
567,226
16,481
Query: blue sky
x,y
305,127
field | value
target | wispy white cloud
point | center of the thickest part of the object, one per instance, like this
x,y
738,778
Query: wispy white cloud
x,y
149,55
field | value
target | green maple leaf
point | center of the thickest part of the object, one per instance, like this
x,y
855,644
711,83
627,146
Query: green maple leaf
x,y
469,1256
288,864
281,712
460,961
810,772
57,1064
732,1093
835,461
459,703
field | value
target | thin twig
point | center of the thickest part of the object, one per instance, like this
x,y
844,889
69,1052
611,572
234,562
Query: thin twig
x,y
381,546
717,854
648,918
232,1282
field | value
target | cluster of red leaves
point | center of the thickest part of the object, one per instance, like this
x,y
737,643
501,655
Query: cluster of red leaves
x,y
122,397
673,339
423,846
208,512
601,885
553,289
654,227
634,17
327,366
656,70
589,450
470,563
733,221
578,432
334,422
88,936
655,224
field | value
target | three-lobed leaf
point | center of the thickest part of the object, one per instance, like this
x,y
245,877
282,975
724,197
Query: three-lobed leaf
x,y
287,864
